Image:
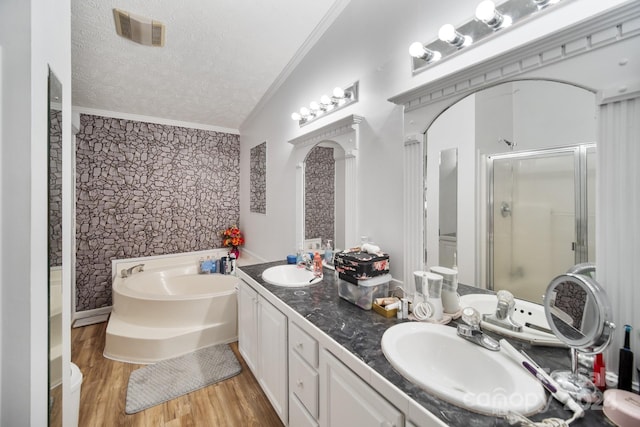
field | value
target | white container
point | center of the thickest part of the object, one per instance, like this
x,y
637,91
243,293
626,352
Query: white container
x,y
450,297
76,385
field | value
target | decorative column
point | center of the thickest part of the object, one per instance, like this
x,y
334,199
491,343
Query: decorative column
x,y
351,199
413,232
617,224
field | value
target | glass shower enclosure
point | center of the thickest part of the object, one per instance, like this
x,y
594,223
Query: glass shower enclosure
x,y
541,217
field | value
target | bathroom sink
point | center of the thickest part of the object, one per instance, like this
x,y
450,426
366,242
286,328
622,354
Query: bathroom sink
x,y
460,372
289,276
535,328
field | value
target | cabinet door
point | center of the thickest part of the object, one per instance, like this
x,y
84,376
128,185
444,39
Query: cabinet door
x,y
272,357
346,400
247,325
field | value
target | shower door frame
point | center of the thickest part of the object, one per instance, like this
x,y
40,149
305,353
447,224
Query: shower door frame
x,y
580,152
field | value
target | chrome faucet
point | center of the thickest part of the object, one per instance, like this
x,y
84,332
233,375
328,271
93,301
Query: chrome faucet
x,y
307,261
504,310
129,271
471,331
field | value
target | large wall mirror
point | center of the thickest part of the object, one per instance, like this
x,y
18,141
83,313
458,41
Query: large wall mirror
x,y
55,249
324,184
326,177
525,185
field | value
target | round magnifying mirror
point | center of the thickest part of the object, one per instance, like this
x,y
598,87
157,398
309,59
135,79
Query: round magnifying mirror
x,y
579,314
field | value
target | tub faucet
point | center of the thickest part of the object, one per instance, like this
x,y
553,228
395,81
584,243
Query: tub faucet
x,y
471,331
129,271
504,310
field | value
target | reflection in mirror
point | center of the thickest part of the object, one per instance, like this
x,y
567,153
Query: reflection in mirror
x,y
55,250
448,206
258,178
579,314
324,195
502,122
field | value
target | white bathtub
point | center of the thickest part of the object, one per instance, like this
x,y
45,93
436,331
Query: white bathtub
x,y
165,312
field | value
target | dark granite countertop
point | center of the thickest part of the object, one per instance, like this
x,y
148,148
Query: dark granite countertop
x,y
360,331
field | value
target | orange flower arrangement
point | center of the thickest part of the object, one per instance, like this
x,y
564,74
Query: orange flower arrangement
x,y
232,237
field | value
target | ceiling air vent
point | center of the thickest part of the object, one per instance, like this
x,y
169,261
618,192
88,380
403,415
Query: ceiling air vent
x,y
138,28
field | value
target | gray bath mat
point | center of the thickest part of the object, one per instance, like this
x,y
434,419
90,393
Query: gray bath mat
x,y
166,380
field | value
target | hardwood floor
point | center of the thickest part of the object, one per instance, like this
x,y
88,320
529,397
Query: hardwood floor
x,y
238,401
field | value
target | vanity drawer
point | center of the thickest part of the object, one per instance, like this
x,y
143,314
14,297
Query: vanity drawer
x,y
304,383
298,416
304,345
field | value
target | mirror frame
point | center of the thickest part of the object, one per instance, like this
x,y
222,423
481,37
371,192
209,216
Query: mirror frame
x,y
597,340
346,133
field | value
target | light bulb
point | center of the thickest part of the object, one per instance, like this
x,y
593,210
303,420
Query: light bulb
x,y
338,92
314,106
447,33
304,112
296,116
325,100
487,13
417,50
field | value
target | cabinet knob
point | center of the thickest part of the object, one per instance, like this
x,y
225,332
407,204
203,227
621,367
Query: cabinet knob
x,y
299,345
300,383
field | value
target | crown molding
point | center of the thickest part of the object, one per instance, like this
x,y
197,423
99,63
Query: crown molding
x,y
155,120
596,32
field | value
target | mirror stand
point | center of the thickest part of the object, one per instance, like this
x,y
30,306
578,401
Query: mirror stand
x,y
579,386
579,314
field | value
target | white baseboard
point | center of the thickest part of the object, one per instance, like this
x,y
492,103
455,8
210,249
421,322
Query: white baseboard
x,y
89,317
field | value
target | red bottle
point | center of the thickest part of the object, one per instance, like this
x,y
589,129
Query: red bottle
x,y
599,372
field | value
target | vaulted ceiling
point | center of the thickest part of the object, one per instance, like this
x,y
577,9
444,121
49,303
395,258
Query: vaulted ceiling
x,y
219,59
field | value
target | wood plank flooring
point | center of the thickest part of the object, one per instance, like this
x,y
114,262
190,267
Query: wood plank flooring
x,y
238,401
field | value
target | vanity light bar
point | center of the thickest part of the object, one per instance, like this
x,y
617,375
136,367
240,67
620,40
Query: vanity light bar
x,y
488,20
340,97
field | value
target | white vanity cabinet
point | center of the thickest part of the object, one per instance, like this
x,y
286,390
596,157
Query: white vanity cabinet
x,y
346,400
262,340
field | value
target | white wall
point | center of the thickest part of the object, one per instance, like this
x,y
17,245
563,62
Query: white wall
x,y
368,42
33,35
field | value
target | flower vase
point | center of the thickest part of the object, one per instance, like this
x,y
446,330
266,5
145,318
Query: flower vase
x,y
234,250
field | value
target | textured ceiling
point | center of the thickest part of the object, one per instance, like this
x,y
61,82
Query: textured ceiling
x,y
219,59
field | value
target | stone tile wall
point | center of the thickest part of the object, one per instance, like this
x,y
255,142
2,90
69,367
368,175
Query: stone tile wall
x,y
55,188
258,179
145,189
319,194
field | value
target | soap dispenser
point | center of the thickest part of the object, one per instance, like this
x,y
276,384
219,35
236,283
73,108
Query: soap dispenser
x,y
328,253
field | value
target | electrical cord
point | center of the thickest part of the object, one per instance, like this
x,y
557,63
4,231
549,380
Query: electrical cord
x,y
514,418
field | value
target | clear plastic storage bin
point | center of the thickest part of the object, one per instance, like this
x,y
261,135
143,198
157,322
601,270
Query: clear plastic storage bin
x,y
366,291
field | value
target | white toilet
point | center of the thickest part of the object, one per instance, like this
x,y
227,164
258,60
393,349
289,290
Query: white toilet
x,y
76,385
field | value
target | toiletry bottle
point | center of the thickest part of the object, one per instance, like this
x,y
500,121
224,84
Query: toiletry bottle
x,y
299,255
201,265
599,372
206,266
214,265
232,264
328,253
317,265
223,265
625,365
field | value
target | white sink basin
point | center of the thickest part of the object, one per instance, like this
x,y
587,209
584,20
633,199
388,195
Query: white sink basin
x,y
525,313
290,276
460,372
